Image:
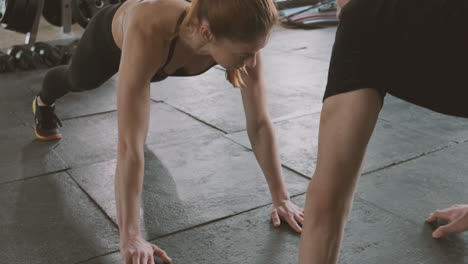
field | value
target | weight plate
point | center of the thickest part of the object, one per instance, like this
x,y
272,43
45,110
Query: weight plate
x,y
3,8
84,10
52,12
18,18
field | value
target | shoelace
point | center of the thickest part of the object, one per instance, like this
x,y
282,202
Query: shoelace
x,y
49,118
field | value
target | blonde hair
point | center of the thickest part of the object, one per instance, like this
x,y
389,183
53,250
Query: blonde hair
x,y
236,20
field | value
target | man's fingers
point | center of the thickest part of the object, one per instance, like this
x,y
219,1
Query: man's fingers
x,y
275,218
161,254
431,218
442,214
444,230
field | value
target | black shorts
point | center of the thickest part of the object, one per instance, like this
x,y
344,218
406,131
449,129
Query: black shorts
x,y
416,50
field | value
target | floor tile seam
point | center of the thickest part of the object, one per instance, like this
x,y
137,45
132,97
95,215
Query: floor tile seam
x,y
295,116
279,120
293,51
158,101
98,206
282,164
190,228
196,118
423,154
219,219
455,141
370,203
147,144
88,115
296,172
99,256
34,177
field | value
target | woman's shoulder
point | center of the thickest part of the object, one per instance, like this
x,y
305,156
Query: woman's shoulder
x,y
161,15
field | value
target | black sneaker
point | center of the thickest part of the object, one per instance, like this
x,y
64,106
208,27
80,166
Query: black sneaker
x,y
46,122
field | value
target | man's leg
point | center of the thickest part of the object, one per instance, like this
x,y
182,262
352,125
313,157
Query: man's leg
x,y
346,124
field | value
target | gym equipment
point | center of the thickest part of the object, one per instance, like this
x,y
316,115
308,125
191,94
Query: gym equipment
x,y
22,58
24,15
323,14
18,15
285,4
84,10
50,55
52,12
5,63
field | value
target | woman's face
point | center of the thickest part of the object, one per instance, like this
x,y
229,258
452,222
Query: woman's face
x,y
234,54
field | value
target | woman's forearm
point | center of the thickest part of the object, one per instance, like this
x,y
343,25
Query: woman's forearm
x,y
128,189
263,141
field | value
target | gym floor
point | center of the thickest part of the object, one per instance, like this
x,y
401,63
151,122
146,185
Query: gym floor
x,y
205,199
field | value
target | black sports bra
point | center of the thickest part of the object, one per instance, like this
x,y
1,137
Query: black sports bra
x,y
161,74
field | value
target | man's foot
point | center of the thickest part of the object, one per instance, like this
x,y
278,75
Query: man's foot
x,y
46,122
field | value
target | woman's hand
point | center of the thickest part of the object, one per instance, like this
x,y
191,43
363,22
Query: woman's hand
x,y
138,251
457,216
290,213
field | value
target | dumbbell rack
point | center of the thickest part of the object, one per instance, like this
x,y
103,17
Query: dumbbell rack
x,y
31,36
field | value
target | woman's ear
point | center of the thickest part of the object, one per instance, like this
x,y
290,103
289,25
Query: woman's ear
x,y
206,32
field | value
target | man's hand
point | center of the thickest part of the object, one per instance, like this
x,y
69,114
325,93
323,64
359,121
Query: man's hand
x,y
457,216
289,212
138,251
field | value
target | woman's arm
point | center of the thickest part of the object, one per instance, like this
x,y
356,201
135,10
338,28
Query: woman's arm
x,y
262,137
143,52
346,124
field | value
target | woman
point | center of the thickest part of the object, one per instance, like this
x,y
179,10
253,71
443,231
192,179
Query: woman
x,y
412,49
148,40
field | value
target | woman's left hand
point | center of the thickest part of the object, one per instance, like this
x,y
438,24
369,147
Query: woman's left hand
x,y
290,213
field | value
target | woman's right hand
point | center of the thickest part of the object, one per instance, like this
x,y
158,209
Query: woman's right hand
x,y
136,250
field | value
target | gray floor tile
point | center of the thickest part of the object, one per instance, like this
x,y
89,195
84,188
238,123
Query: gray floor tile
x,y
22,156
292,91
99,100
50,220
189,184
23,86
390,144
314,43
94,139
412,116
372,236
15,102
8,116
202,85
416,188
284,71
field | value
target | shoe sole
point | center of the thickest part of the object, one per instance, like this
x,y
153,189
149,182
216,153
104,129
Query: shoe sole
x,y
47,138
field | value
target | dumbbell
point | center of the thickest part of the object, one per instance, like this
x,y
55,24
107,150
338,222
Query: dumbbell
x,y
22,58
51,56
5,63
